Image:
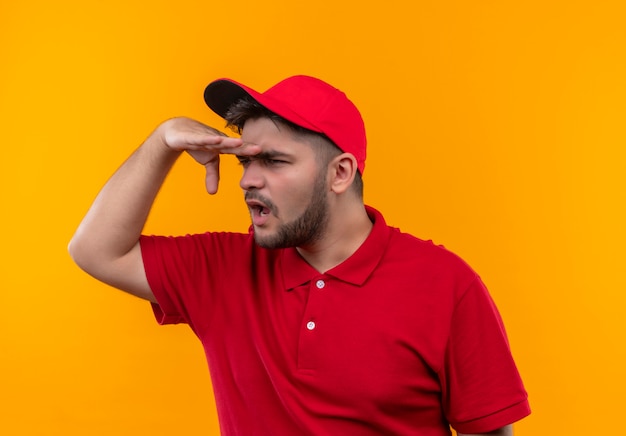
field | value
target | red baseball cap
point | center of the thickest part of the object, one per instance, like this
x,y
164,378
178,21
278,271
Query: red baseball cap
x,y
305,101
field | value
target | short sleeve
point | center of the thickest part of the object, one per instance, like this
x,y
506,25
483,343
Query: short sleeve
x,y
163,273
482,388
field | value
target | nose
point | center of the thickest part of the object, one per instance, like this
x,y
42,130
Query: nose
x,y
252,177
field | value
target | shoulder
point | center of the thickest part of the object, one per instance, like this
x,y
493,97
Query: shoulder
x,y
194,242
221,247
405,246
409,256
426,252
197,247
427,268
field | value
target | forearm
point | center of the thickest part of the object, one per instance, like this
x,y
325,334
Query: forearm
x,y
113,224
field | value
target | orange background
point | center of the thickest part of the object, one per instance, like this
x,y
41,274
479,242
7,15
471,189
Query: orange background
x,y
495,128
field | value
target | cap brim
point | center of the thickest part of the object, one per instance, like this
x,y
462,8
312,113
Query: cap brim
x,y
220,94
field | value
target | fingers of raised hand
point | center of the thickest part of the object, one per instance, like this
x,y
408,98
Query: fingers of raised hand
x,y
186,134
212,177
200,141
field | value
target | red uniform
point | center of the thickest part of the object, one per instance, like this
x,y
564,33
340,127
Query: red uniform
x,y
401,338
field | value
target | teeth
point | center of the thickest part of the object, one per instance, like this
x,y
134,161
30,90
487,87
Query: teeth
x,y
262,211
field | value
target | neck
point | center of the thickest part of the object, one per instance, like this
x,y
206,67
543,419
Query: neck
x,y
347,229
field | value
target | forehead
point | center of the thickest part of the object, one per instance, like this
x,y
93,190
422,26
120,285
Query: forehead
x,y
271,135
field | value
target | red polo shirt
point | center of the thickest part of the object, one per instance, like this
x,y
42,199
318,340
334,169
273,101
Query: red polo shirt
x,y
401,338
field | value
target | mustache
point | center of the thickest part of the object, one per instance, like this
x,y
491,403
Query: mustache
x,y
253,195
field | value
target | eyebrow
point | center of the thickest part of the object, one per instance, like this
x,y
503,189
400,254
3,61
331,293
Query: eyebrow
x,y
270,154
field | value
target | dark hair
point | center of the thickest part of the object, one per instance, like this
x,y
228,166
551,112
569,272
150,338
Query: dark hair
x,y
249,109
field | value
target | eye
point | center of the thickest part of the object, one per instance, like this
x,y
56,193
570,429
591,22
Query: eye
x,y
274,161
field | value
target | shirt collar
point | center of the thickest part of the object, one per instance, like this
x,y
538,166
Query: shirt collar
x,y
355,269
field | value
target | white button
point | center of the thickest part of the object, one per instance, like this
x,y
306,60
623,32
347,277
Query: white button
x,y
310,325
320,284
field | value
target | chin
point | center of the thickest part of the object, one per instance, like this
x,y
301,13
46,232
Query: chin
x,y
265,241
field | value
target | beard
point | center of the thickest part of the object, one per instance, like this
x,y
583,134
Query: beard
x,y
306,229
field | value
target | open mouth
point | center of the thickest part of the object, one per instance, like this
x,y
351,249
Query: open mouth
x,y
258,208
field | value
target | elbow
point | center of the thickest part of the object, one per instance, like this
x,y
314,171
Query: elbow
x,y
70,248
76,252
80,252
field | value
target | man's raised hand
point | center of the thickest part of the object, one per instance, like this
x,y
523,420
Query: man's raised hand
x,y
204,144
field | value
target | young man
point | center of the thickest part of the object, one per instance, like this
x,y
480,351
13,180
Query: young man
x,y
322,320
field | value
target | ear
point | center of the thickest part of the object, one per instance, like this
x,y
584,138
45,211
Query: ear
x,y
343,169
